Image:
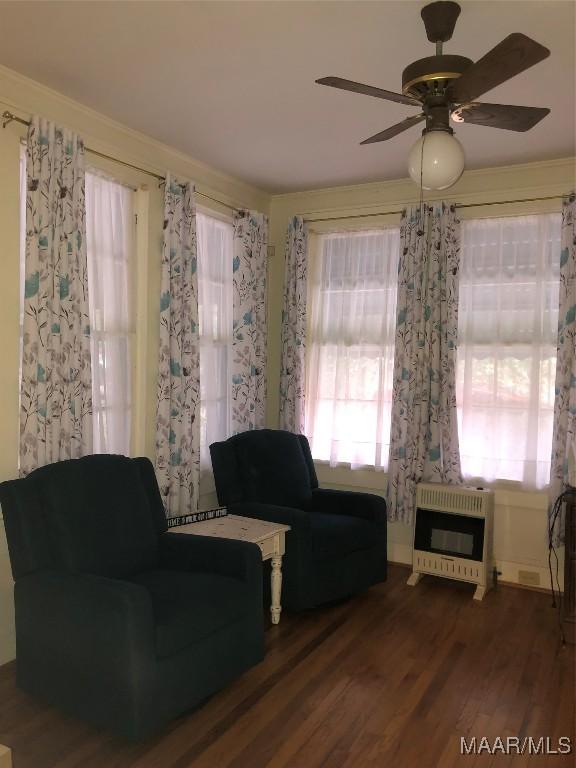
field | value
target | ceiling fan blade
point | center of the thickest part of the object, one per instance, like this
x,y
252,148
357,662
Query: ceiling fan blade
x,y
394,130
510,57
511,118
368,90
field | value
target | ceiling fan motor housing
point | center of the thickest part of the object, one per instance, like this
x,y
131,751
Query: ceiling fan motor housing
x,y
431,75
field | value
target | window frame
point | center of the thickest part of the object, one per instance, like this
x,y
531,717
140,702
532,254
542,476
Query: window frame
x,y
132,334
316,232
206,476
525,484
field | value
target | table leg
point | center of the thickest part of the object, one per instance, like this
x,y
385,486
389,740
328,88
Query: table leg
x,y
276,584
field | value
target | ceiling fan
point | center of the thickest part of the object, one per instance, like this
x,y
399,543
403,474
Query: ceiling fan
x,y
447,86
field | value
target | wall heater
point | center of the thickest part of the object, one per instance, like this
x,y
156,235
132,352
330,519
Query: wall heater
x,y
453,534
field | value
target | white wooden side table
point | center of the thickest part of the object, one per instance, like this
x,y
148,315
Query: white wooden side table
x,y
270,537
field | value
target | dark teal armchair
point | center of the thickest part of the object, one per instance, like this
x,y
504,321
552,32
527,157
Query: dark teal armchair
x,y
117,621
337,543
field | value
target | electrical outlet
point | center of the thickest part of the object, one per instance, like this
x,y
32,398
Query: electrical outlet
x,y
530,578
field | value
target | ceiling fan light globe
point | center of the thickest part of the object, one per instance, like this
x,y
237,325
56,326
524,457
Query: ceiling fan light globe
x,y
436,161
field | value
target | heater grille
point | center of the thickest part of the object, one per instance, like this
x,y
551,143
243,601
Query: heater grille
x,y
458,500
452,567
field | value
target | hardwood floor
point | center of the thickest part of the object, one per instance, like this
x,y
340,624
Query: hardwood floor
x,y
393,678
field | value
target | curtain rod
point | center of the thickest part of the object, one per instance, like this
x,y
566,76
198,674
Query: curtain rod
x,y
457,205
8,117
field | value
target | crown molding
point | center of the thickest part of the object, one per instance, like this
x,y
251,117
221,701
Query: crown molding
x,y
405,190
27,97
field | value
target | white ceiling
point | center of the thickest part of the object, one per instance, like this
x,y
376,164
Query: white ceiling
x,y
232,83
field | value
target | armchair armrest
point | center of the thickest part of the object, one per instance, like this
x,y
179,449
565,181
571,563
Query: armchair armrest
x,y
297,519
86,617
368,506
188,552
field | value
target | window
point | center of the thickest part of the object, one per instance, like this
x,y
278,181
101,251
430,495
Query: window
x,y
109,244
214,238
109,235
351,350
508,319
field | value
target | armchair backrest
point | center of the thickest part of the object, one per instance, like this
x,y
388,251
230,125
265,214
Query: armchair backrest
x,y
270,466
100,514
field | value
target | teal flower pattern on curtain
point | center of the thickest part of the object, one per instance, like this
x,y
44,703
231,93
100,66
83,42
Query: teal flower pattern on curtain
x,y
56,383
564,431
249,321
293,336
424,433
178,404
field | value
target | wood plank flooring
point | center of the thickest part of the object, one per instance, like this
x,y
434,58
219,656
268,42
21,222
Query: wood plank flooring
x,y
392,678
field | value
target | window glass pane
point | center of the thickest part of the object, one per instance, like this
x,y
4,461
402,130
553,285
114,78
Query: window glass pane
x,y
109,241
351,349
22,256
508,318
214,238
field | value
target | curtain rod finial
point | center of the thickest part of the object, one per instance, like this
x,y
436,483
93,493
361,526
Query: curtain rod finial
x,y
7,118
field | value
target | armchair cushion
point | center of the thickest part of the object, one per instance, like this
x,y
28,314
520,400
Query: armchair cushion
x,y
274,470
368,506
271,467
189,607
340,534
98,514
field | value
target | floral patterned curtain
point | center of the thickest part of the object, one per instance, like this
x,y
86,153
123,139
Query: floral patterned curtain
x,y
424,434
293,338
564,433
56,386
178,405
249,321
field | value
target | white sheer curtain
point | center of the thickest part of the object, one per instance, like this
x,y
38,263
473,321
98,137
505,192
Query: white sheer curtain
x,y
214,238
351,356
109,240
508,319
22,256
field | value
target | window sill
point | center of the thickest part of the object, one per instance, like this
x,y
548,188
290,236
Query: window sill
x,y
347,465
500,485
508,492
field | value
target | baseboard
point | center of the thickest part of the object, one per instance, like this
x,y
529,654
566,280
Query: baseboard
x,y
508,569
7,647
512,573
529,587
399,553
